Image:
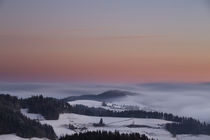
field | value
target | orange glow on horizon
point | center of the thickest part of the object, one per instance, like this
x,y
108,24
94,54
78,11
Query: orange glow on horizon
x,y
149,41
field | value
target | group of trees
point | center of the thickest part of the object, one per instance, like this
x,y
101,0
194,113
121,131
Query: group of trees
x,y
84,110
188,126
12,121
50,108
103,135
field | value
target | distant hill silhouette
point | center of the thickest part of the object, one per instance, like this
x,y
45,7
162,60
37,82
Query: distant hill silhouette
x,y
108,95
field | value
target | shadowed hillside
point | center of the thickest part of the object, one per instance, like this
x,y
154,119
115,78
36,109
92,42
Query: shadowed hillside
x,y
12,121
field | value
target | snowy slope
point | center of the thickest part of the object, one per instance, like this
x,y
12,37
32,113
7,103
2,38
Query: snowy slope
x,y
14,137
154,130
32,116
154,127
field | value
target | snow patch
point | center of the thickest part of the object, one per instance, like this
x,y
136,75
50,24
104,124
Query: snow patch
x,y
32,116
14,137
89,103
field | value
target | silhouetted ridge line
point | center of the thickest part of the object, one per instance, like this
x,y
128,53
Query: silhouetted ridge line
x,y
108,95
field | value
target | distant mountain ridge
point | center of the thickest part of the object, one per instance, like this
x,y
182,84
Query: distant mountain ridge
x,y
107,95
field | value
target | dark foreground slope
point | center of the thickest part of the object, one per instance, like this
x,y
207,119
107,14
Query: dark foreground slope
x,y
105,136
12,121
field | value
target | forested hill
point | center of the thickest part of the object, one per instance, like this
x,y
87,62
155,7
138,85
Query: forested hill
x,y
50,108
107,95
105,136
12,121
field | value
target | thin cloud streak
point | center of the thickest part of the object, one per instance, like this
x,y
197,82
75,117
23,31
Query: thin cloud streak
x,y
128,37
80,30
87,29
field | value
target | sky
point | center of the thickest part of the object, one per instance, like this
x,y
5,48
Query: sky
x,y
104,40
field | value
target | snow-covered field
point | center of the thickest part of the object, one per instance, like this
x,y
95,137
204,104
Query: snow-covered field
x,y
154,127
154,130
14,137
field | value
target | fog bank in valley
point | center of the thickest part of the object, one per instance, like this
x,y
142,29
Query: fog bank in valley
x,y
185,99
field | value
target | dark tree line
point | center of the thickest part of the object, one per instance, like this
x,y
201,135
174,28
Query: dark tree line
x,y
103,135
12,121
188,126
84,110
50,108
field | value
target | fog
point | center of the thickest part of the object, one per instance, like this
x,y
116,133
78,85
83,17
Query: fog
x,y
184,99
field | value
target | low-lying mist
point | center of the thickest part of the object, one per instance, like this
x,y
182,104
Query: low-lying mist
x,y
184,99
